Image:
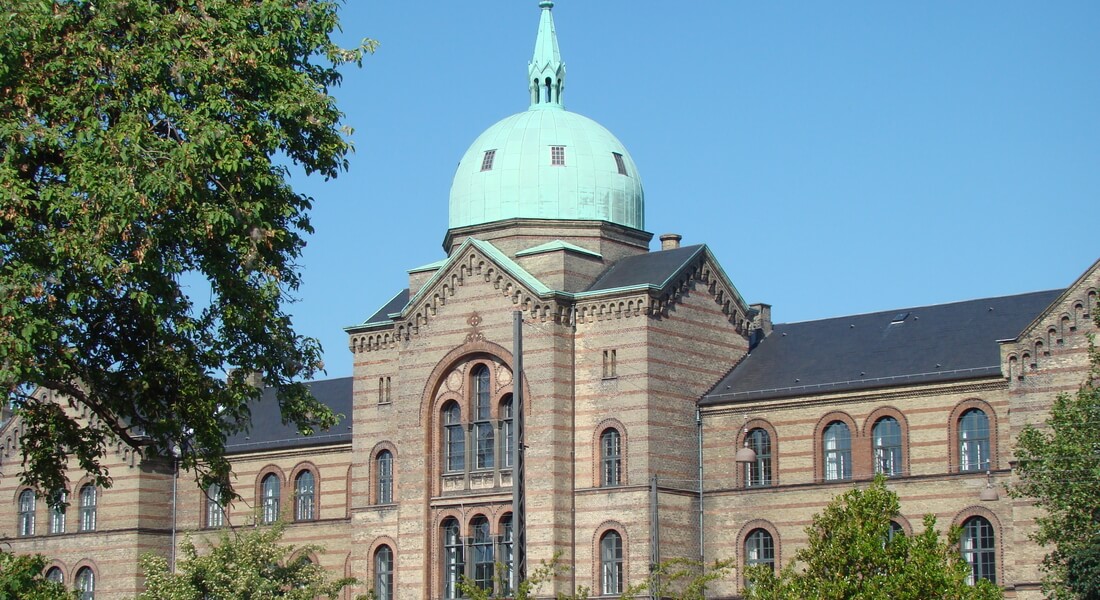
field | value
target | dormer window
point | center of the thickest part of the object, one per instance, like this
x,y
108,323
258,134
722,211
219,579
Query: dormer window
x,y
557,156
619,163
487,160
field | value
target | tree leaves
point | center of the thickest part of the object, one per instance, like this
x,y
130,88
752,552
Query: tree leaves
x,y
137,151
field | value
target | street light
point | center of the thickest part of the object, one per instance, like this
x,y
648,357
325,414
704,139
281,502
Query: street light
x,y
746,454
176,453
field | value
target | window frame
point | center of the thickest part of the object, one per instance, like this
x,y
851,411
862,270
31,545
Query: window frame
x,y
759,473
84,583
978,546
887,448
973,442
215,512
58,515
611,457
305,498
507,431
88,502
383,572
452,557
27,503
483,434
270,498
383,468
612,563
483,557
840,456
487,159
454,439
557,156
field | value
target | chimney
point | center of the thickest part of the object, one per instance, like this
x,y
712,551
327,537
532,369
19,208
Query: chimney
x,y
670,241
763,318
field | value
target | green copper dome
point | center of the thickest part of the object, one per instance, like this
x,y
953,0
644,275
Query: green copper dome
x,y
546,162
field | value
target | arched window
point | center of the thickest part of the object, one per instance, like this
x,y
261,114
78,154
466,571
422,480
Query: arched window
x,y
269,500
454,443
483,425
977,545
452,558
507,557
895,530
57,514
85,584
215,513
611,457
88,509
837,446
886,435
383,465
974,441
304,494
759,473
383,573
759,548
507,433
483,553
26,513
611,563
55,575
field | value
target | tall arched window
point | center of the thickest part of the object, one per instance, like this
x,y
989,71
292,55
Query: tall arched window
x,y
611,563
759,473
215,513
483,425
483,553
57,514
304,495
974,441
383,573
977,545
454,443
383,466
507,557
759,548
886,435
55,575
85,584
26,512
837,447
611,457
269,501
452,558
88,502
507,433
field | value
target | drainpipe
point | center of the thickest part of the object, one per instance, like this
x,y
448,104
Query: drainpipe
x,y
699,437
175,478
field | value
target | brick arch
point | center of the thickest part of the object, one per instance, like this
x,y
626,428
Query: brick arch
x,y
498,400
81,564
819,437
463,353
258,494
906,526
998,532
773,440
292,486
59,564
869,431
435,547
301,553
372,471
597,451
743,534
74,501
953,433
597,535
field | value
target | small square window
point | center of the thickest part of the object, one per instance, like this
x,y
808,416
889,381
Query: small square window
x,y
487,160
557,156
619,163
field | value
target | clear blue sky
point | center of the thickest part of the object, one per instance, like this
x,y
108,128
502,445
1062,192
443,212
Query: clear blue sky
x,y
838,158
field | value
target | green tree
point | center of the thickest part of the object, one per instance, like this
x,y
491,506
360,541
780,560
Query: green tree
x,y
21,577
1059,467
144,144
248,564
853,555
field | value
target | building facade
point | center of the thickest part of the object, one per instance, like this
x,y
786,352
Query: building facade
x,y
646,375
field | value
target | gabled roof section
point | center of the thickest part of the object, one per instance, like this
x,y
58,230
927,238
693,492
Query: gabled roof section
x,y
557,245
268,431
1035,323
652,269
386,314
944,342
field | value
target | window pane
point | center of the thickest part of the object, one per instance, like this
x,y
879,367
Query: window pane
x,y
506,427
887,442
452,558
57,515
304,496
611,457
483,554
455,439
611,563
26,513
978,548
85,584
385,477
759,473
383,574
88,508
215,515
270,500
837,448
974,441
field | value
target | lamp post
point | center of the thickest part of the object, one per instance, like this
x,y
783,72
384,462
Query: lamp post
x,y
176,452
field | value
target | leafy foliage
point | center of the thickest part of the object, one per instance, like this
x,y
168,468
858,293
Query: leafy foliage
x,y
851,555
21,577
138,147
251,565
1059,467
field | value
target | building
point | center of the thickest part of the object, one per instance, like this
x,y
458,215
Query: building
x,y
645,374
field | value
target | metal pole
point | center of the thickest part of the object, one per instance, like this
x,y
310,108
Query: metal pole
x,y
175,478
519,501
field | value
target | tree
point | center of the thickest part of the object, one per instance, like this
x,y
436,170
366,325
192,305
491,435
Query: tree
x,y
144,144
21,577
852,554
247,564
1059,467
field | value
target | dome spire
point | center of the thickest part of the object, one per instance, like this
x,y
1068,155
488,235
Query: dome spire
x,y
546,71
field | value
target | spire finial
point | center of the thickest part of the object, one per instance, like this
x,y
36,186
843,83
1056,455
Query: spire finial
x,y
546,71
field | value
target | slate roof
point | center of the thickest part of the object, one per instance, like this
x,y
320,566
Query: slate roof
x,y
269,433
393,306
651,268
944,342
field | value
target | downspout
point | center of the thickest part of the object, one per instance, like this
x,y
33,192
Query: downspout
x,y
573,452
699,437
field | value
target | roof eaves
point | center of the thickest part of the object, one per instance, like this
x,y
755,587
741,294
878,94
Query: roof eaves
x,y
372,324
